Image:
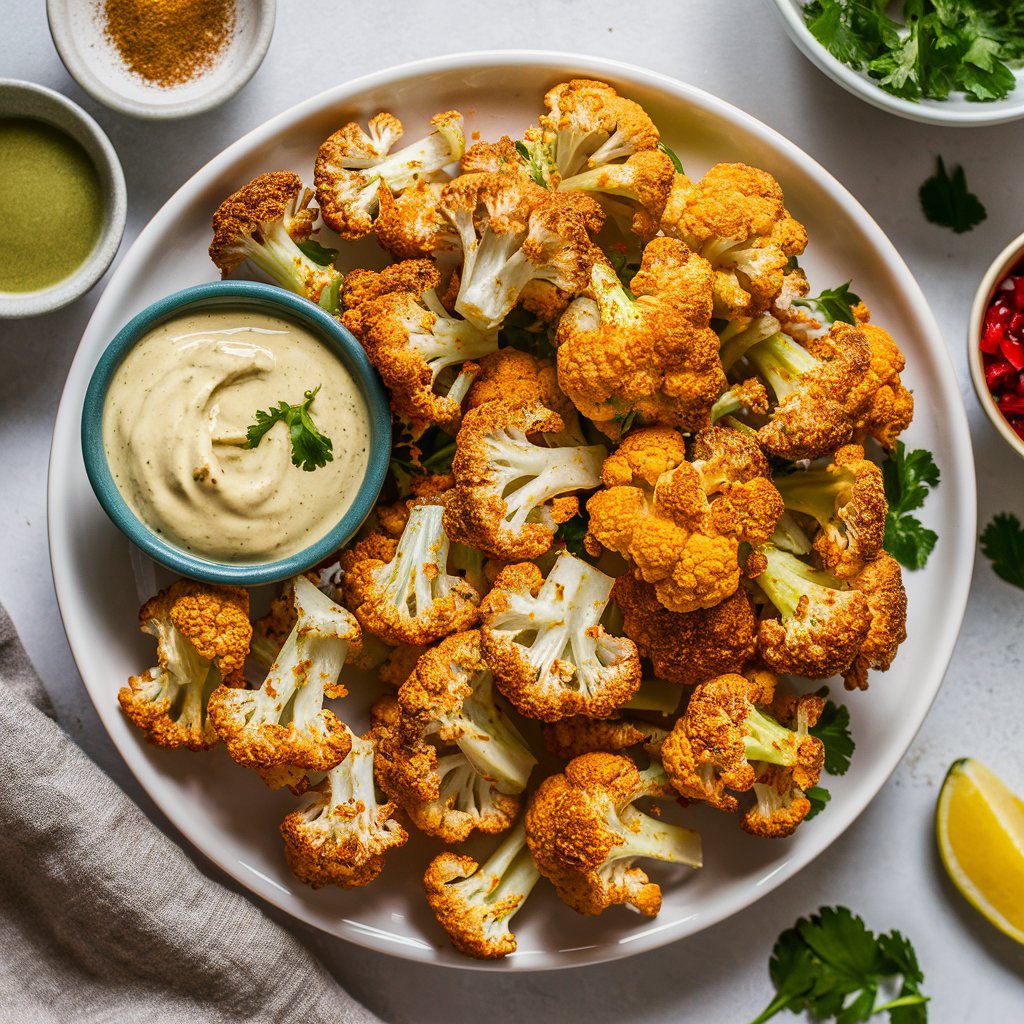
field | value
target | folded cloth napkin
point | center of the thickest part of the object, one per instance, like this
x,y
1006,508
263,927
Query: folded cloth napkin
x,y
103,918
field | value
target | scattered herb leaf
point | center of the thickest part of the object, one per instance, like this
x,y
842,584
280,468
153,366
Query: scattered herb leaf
x,y
832,966
534,163
1002,543
819,796
310,449
833,729
313,250
626,421
572,532
676,162
834,304
908,477
947,201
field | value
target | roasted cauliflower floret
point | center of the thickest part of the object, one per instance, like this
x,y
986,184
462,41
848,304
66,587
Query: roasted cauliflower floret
x,y
419,350
446,752
411,598
680,528
263,222
736,219
723,739
890,406
590,125
514,232
780,789
847,503
639,187
282,729
506,497
475,903
818,401
881,583
687,647
343,832
412,223
652,355
202,634
545,642
822,624
353,166
572,737
519,379
584,834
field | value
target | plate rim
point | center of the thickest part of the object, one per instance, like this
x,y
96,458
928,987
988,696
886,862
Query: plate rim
x,y
959,439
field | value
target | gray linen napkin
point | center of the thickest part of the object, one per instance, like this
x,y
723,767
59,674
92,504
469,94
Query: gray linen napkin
x,y
103,918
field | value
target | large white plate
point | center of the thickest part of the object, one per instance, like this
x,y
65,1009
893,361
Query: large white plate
x,y
226,812
956,111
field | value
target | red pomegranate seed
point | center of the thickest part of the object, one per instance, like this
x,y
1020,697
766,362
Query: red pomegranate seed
x,y
1018,292
1013,351
996,373
990,338
1011,405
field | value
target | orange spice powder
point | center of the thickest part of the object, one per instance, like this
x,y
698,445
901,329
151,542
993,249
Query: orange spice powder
x,y
168,42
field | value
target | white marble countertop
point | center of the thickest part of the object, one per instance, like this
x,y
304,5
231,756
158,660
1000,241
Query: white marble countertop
x,y
885,866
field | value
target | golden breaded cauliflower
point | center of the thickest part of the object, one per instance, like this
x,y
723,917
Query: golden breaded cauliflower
x,y
881,583
584,834
353,166
544,640
506,497
678,527
343,833
422,354
653,355
514,232
572,737
846,502
202,634
410,598
283,729
474,902
736,219
263,222
687,647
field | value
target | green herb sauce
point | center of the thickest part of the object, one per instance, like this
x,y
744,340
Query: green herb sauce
x,y
51,205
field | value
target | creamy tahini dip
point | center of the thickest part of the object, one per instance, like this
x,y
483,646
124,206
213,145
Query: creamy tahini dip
x,y
178,407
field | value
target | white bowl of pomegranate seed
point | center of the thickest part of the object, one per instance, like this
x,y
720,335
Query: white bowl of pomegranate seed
x,y
996,344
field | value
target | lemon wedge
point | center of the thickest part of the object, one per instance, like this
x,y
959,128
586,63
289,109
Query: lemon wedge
x,y
980,829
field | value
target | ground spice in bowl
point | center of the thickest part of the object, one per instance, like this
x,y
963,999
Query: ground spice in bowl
x,y
169,42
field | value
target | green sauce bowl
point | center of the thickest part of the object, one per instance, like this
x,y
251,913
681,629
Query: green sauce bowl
x,y
274,301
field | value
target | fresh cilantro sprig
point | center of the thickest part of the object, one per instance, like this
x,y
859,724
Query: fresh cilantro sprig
x,y
948,202
572,532
832,966
833,729
1002,543
937,48
834,304
310,449
908,477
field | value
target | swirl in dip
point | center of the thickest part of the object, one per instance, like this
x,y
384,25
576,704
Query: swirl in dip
x,y
178,408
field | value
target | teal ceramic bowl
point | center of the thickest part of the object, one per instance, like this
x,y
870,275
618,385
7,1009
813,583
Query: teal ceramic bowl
x,y
274,301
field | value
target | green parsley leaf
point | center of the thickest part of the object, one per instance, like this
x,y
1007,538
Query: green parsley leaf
x,y
310,449
676,162
833,729
819,796
571,534
947,201
538,161
834,304
832,966
1002,543
908,477
313,250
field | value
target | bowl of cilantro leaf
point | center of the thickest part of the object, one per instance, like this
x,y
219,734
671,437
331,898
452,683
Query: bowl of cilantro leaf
x,y
926,60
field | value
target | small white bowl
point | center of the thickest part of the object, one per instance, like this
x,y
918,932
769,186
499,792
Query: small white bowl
x,y
955,111
94,62
1010,257
37,103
